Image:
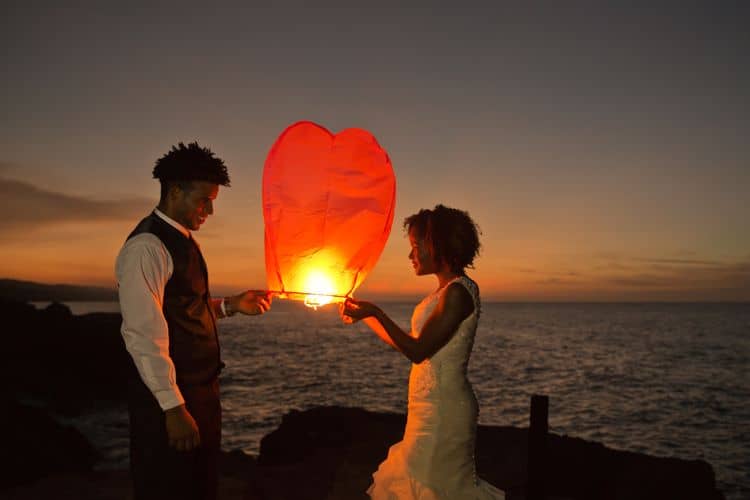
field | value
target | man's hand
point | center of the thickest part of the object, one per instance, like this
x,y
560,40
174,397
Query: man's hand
x,y
250,302
182,431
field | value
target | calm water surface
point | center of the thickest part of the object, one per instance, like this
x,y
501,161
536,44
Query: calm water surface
x,y
664,379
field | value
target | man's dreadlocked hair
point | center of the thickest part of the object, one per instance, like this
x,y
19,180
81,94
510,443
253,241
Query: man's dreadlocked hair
x,y
184,164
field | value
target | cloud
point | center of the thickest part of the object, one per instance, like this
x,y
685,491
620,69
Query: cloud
x,y
623,277
642,281
549,273
613,266
702,278
680,262
555,281
28,207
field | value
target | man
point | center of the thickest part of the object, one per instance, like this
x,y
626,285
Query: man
x,y
169,328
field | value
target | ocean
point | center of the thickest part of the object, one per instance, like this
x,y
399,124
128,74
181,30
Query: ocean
x,y
670,380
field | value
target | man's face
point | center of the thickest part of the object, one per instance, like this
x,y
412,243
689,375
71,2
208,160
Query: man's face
x,y
193,205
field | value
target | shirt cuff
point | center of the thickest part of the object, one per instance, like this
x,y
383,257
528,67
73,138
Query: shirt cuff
x,y
169,399
226,311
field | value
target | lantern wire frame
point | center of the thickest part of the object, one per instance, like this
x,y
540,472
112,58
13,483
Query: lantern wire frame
x,y
313,300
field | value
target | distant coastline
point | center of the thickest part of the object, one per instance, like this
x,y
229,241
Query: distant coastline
x,y
29,291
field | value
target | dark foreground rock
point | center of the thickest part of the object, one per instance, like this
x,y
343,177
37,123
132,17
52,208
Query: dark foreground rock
x,y
35,446
42,458
116,484
330,453
67,363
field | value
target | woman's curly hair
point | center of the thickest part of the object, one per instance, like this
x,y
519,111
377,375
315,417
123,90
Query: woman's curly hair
x,y
451,235
184,164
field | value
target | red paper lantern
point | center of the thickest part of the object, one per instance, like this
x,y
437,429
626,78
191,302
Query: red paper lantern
x,y
328,203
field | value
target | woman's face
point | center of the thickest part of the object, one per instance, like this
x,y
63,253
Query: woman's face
x,y
419,256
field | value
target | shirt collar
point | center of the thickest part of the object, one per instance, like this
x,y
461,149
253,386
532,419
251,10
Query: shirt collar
x,y
172,222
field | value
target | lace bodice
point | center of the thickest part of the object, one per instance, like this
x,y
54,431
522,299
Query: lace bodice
x,y
446,369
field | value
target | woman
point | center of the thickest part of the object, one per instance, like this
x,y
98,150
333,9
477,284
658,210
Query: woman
x,y
435,459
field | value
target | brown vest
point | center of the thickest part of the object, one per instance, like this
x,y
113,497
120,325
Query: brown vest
x,y
193,342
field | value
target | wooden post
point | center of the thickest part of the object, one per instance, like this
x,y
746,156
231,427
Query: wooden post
x,y
537,465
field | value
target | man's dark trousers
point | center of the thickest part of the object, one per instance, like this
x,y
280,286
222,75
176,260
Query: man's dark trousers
x,y
161,472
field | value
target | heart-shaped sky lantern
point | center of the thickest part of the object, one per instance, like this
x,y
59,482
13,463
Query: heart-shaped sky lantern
x,y
328,203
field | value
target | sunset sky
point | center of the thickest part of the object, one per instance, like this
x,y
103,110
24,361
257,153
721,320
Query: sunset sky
x,y
604,151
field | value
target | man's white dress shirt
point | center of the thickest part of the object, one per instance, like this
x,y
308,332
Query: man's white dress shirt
x,y
143,268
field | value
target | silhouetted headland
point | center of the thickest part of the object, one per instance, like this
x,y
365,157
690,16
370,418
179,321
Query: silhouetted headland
x,y
29,291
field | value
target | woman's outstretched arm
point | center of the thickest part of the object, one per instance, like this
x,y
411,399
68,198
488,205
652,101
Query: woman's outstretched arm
x,y
454,306
360,314
380,331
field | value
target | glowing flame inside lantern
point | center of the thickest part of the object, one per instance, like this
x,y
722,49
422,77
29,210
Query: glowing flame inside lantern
x,y
319,289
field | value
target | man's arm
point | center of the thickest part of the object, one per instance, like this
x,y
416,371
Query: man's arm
x,y
143,269
250,302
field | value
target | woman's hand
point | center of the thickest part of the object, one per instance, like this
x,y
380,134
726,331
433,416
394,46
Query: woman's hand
x,y
354,310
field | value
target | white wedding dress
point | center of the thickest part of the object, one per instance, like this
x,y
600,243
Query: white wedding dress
x,y
435,459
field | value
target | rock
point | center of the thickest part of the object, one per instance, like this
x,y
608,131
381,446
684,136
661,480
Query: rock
x,y
58,311
331,452
588,470
69,363
117,485
326,452
99,485
35,445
